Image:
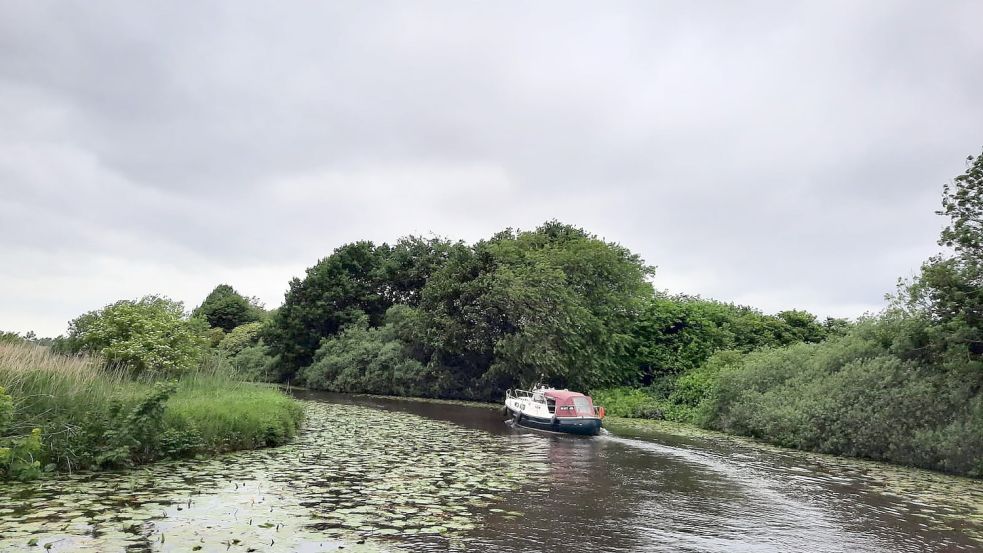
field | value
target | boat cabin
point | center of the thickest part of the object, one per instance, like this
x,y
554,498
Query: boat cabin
x,y
564,403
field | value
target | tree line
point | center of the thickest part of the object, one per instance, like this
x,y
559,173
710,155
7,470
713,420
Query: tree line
x,y
428,316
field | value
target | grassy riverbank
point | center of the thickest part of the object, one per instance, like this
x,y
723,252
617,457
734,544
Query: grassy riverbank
x,y
91,417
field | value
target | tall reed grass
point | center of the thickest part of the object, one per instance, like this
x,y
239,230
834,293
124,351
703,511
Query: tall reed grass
x,y
80,405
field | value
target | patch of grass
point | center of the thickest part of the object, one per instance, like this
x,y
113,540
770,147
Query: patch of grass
x,y
241,416
93,417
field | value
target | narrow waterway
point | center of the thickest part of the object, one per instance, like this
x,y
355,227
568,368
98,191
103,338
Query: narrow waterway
x,y
375,474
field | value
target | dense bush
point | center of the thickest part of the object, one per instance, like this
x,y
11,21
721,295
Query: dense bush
x,y
675,334
855,395
10,338
19,455
552,305
629,402
364,359
255,363
240,338
149,334
905,386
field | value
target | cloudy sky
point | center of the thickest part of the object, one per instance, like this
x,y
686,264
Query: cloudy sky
x,y
777,154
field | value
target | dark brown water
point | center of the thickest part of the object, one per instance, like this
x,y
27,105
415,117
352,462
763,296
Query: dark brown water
x,y
370,474
673,493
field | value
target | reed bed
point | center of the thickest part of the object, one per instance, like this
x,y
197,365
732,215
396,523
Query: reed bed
x,y
81,405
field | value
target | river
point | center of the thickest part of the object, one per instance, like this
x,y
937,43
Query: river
x,y
370,474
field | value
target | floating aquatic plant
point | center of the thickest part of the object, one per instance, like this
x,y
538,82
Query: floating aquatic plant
x,y
355,477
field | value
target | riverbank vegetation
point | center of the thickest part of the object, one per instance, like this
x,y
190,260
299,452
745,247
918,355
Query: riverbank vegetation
x,y
557,305
138,386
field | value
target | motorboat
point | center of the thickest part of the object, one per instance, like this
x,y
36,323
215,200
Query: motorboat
x,y
553,410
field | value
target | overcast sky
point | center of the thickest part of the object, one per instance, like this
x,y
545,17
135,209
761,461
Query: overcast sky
x,y
777,154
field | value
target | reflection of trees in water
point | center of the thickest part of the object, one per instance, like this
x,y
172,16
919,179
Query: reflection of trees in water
x,y
676,493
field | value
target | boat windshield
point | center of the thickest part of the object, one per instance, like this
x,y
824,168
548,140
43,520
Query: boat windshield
x,y
583,407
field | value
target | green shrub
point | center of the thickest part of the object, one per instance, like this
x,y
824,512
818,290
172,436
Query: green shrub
x,y
10,338
628,402
254,363
241,337
18,455
150,334
857,395
368,360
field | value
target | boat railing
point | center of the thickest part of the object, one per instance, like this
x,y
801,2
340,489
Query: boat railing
x,y
518,394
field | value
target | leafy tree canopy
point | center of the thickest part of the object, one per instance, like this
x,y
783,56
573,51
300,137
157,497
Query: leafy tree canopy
x,y
226,309
553,304
358,279
674,334
949,289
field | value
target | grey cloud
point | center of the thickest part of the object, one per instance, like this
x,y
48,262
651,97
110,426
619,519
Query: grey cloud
x,y
781,153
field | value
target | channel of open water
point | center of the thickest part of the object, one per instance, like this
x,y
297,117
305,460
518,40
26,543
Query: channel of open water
x,y
370,474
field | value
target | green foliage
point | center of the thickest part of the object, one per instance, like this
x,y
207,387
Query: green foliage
x,y
337,291
255,363
150,334
689,399
10,338
97,418
552,305
675,334
364,359
19,457
628,402
241,337
212,412
408,265
6,410
949,289
962,203
357,280
855,395
226,309
214,336
132,433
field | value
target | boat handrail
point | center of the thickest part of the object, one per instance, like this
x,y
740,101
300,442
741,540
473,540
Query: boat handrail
x,y
517,394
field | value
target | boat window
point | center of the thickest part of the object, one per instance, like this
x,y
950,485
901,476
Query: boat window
x,y
583,406
550,405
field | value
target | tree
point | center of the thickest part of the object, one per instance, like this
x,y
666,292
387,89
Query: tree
x,y
408,265
149,334
226,309
676,334
949,288
337,291
554,304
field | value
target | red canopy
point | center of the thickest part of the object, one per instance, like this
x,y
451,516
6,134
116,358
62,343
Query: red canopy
x,y
571,404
